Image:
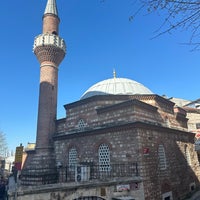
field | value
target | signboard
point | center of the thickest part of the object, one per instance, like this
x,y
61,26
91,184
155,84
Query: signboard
x,y
146,151
121,188
19,154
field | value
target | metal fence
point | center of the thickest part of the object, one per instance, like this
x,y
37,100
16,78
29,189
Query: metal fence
x,y
39,176
79,173
88,172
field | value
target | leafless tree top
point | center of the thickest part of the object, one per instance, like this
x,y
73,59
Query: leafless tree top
x,y
179,14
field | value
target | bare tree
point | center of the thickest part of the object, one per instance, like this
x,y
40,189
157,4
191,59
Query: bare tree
x,y
178,14
3,145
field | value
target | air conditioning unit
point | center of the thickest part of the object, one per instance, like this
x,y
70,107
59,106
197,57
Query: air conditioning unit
x,y
82,173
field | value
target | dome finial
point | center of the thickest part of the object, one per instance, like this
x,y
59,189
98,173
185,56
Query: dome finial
x,y
114,73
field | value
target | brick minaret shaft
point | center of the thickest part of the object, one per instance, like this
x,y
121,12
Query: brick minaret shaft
x,y
50,50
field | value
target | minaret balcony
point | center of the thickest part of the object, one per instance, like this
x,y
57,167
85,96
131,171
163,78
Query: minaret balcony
x,y
49,48
49,39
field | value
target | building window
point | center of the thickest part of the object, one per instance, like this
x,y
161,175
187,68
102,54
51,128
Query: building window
x,y
192,186
104,158
72,159
167,196
197,125
162,157
187,155
81,125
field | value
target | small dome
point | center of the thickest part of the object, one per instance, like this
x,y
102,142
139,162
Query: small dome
x,y
116,86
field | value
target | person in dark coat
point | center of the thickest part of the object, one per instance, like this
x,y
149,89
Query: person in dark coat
x,y
2,189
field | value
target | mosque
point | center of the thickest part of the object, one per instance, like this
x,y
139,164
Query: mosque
x,y
120,140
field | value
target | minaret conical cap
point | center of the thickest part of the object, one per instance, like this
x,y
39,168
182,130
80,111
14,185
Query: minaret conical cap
x,y
51,8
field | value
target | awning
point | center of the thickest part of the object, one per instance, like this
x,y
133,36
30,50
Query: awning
x,y
123,198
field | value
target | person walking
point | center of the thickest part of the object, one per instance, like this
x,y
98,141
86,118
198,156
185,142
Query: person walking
x,y
2,189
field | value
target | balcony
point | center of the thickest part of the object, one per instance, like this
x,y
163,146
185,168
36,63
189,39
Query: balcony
x,y
49,39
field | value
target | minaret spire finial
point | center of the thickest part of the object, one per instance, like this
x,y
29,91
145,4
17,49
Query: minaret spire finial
x,y
114,73
51,8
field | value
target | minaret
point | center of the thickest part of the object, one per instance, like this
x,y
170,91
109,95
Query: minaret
x,y
50,50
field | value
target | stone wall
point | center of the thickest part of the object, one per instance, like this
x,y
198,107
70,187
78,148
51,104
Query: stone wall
x,y
63,191
180,172
128,144
137,139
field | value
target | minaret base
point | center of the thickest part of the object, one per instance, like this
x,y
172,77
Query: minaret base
x,y
39,169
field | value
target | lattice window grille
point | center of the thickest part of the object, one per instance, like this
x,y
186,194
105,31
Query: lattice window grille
x,y
81,125
197,125
104,158
162,157
72,158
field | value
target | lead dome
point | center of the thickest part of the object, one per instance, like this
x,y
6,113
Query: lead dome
x,y
116,86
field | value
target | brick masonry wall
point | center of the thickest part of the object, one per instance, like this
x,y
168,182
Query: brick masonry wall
x,y
87,111
50,24
128,146
178,174
47,106
194,118
128,142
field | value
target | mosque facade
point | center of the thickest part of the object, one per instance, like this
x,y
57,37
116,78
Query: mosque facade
x,y
118,133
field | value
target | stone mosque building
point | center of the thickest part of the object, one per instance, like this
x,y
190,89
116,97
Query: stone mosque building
x,y
118,141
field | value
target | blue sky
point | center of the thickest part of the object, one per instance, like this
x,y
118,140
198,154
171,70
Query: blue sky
x,y
99,38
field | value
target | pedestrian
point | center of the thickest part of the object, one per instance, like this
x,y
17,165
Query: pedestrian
x,y
2,189
6,190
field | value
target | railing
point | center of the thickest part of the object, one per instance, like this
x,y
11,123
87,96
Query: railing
x,y
39,176
89,172
80,173
49,39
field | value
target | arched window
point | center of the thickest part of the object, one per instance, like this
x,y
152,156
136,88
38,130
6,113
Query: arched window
x,y
104,158
72,158
187,155
162,157
81,125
